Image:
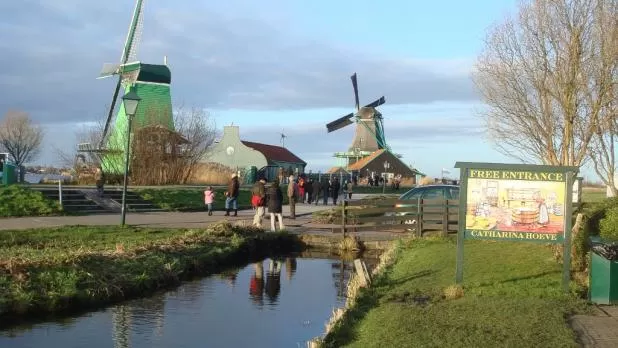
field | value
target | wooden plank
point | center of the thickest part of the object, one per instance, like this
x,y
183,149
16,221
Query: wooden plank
x,y
376,211
394,219
433,216
431,226
378,228
434,209
445,221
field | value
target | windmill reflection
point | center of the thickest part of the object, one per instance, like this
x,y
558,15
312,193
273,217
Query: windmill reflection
x,y
144,313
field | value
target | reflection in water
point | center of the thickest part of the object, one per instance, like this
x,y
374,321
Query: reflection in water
x,y
201,313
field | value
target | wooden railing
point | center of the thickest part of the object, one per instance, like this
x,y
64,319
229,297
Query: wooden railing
x,y
417,216
400,215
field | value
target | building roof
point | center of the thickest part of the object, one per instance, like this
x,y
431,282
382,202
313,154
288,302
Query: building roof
x,y
154,73
274,153
361,163
335,170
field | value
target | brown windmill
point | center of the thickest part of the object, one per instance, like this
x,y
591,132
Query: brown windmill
x,y
369,134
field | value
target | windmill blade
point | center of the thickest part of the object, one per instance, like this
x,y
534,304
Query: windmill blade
x,y
376,103
340,123
355,86
129,52
111,112
109,69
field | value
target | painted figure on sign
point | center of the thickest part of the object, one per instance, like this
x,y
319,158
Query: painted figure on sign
x,y
543,213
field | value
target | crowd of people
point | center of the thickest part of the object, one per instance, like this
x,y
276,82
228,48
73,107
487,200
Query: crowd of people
x,y
268,197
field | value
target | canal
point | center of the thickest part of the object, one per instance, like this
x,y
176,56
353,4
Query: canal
x,y
278,302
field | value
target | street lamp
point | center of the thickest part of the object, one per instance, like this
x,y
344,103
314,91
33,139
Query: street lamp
x,y
130,102
386,166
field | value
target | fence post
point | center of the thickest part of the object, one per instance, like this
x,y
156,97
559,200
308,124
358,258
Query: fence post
x,y
344,205
419,218
445,219
60,192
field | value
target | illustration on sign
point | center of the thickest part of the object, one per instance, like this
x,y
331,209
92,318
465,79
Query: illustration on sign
x,y
507,204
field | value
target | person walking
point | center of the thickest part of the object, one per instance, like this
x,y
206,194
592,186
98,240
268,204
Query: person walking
x,y
292,196
334,190
209,198
309,190
301,189
274,196
316,191
258,201
349,188
100,181
325,190
231,199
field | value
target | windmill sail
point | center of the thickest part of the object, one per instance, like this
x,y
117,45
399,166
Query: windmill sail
x,y
355,86
129,52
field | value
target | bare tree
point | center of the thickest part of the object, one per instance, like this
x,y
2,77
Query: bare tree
x,y
547,77
20,138
602,148
158,155
161,156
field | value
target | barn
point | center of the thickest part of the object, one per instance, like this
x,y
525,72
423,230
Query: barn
x,y
251,157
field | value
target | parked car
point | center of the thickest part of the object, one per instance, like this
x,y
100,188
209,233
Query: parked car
x,y
439,191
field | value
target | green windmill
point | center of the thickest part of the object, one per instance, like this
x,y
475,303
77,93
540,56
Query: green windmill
x,y
151,82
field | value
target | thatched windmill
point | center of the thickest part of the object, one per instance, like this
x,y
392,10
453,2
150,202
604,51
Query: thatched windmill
x,y
369,134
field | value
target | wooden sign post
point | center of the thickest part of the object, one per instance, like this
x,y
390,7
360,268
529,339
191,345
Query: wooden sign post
x,y
516,202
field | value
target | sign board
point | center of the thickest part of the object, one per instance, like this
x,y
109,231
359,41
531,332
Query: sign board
x,y
515,202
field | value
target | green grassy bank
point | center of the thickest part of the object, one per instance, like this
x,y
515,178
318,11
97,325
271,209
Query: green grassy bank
x,y
512,297
69,269
16,201
193,199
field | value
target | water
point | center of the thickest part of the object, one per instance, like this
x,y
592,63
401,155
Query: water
x,y
34,178
286,308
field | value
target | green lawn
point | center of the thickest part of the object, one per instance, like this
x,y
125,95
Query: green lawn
x,y
593,195
57,269
512,298
193,199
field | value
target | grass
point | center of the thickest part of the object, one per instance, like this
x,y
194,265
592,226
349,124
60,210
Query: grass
x,y
186,199
512,297
18,201
75,268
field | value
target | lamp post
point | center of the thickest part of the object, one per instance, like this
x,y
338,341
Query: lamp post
x,y
130,102
386,166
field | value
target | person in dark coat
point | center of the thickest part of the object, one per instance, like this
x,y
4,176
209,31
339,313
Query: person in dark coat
x,y
334,190
325,191
309,190
317,187
231,199
274,197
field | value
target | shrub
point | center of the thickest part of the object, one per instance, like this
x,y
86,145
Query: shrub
x,y
20,201
608,226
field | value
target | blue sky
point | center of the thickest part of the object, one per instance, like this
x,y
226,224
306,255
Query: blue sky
x,y
265,66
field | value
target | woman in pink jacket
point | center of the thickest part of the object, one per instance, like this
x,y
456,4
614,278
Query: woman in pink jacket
x,y
209,198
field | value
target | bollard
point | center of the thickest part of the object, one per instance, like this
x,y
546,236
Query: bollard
x,y
60,192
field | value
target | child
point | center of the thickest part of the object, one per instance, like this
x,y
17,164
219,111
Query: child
x,y
209,198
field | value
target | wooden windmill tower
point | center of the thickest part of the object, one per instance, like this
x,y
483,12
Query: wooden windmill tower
x,y
369,133
152,84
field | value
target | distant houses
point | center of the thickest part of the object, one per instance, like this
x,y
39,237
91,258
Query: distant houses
x,y
250,158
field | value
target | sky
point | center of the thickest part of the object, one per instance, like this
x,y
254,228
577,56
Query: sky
x,y
269,67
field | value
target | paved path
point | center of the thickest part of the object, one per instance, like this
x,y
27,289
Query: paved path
x,y
599,330
154,219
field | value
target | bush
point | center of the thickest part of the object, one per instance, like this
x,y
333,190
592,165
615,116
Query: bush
x,y
608,226
20,201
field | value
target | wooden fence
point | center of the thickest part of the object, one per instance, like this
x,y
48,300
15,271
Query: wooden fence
x,y
400,215
417,216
